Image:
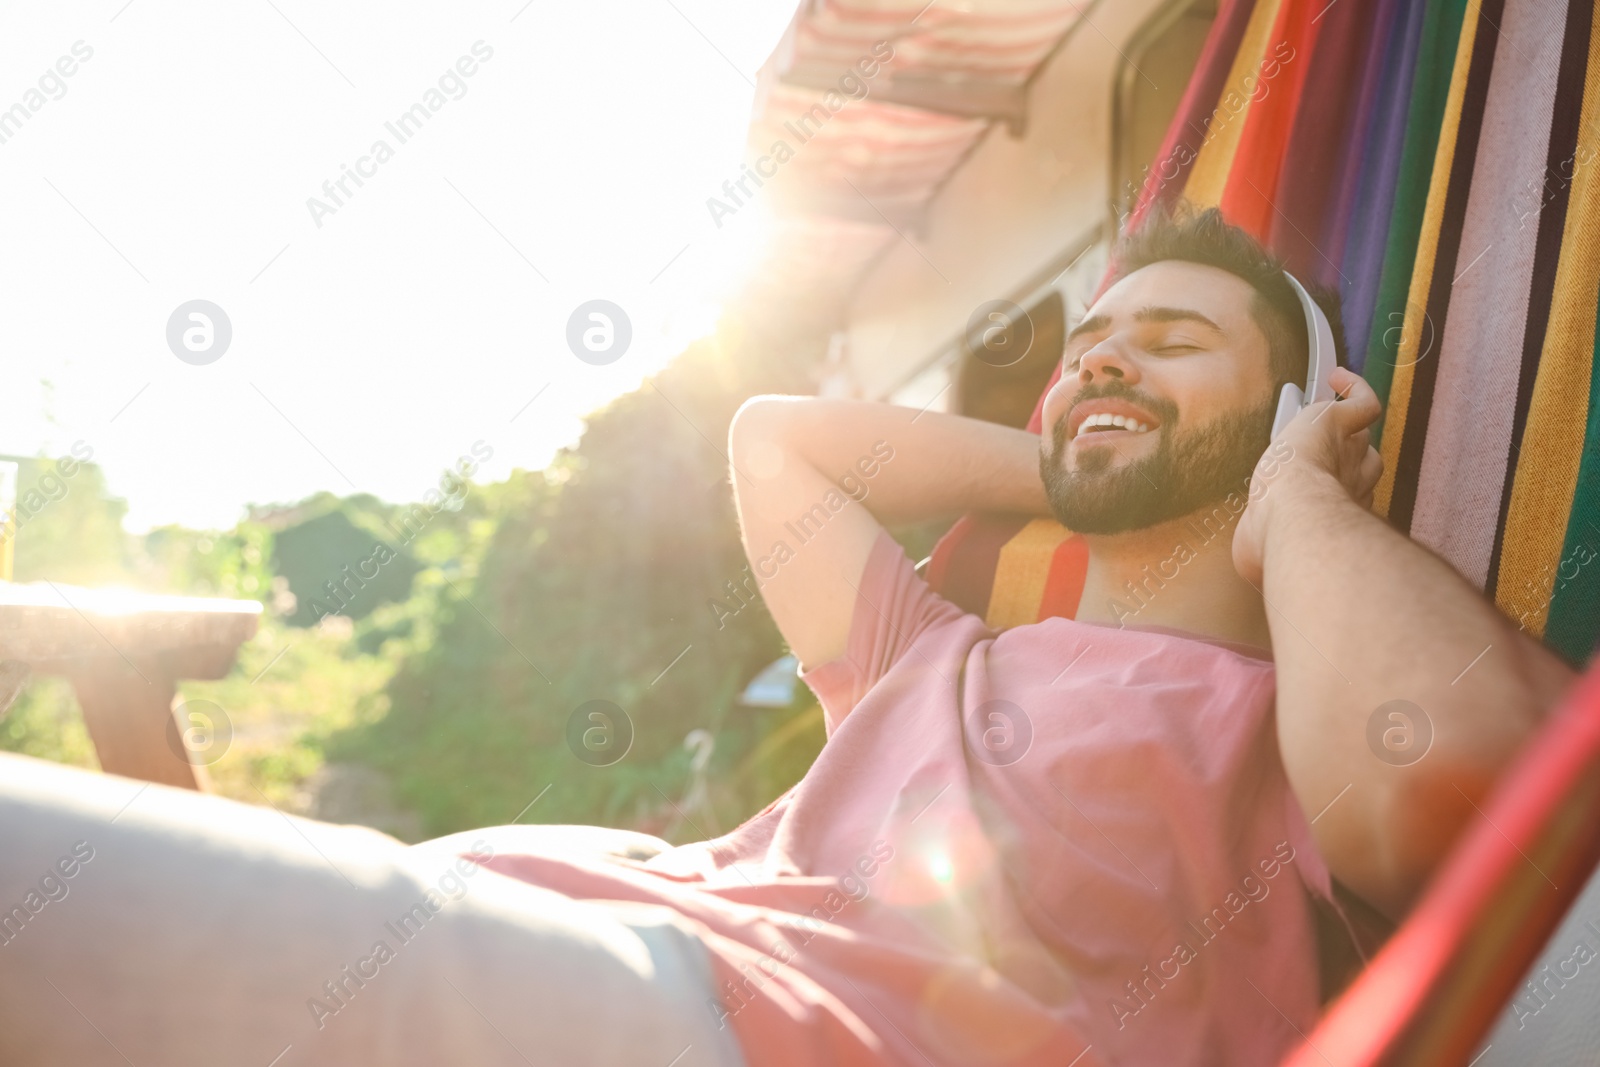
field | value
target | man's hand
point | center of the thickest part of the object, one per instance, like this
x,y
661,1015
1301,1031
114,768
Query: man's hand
x,y
1367,625
813,479
1332,439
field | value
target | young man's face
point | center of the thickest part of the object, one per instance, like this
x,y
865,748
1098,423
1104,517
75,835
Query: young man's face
x,y
1173,355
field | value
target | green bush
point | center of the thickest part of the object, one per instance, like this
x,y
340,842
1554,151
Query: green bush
x,y
337,563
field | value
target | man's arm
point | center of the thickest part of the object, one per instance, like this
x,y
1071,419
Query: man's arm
x,y
1360,616
814,478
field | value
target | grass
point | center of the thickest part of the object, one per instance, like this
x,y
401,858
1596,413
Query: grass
x,y
292,689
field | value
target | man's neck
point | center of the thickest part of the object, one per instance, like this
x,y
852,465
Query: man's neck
x,y
1177,575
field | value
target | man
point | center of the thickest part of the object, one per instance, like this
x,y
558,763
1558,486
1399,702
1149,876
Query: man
x,y
1126,789
1082,842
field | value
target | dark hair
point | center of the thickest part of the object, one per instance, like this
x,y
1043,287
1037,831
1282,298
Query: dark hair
x,y
1180,232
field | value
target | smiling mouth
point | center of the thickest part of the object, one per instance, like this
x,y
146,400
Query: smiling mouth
x,y
1110,427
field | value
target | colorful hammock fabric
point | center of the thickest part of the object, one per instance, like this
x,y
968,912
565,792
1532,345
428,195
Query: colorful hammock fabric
x,y
1438,162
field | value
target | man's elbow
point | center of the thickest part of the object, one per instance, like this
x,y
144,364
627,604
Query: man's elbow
x,y
756,416
1425,820
1430,805
760,431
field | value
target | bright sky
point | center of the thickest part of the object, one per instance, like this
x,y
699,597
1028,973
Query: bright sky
x,y
426,311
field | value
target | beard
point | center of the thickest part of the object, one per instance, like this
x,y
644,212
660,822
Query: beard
x,y
1189,469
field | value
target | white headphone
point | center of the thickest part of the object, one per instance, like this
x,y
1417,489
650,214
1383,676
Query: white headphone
x,y
1321,359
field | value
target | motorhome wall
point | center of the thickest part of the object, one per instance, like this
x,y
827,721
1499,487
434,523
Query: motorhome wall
x,y
1005,215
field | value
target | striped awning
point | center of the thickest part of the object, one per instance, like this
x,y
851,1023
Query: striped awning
x,y
867,106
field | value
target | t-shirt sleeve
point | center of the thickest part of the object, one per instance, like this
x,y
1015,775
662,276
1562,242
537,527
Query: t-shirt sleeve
x,y
894,608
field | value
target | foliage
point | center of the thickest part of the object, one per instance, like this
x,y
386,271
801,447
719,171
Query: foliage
x,y
44,723
595,584
235,563
73,529
293,688
339,563
517,602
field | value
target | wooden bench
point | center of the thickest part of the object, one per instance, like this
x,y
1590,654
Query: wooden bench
x,y
124,653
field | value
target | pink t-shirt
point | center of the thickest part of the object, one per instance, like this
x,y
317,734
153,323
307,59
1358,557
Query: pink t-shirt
x,y
1063,844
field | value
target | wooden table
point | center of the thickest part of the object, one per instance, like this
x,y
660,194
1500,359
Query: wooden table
x,y
124,652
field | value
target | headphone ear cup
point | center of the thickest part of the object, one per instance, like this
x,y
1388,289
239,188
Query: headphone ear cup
x,y
1290,400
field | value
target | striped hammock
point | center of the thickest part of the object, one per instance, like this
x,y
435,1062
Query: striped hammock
x,y
1438,162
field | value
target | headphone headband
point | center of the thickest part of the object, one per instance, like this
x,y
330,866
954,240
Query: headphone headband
x,y
1321,359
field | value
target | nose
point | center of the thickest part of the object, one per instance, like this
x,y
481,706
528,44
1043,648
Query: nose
x,y
1105,362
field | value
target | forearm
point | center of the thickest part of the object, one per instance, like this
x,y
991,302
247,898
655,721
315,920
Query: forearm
x,y
1361,616
937,464
814,480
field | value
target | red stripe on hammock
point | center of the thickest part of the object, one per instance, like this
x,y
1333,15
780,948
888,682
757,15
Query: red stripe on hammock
x,y
1064,587
1252,187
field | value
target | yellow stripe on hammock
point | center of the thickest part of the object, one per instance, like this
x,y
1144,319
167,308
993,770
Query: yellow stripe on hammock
x,y
1552,443
1416,325
1209,175
1021,573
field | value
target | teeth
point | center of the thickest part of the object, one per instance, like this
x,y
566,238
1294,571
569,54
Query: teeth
x,y
1120,422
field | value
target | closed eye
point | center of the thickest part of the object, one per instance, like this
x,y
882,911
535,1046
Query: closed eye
x,y
1172,349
